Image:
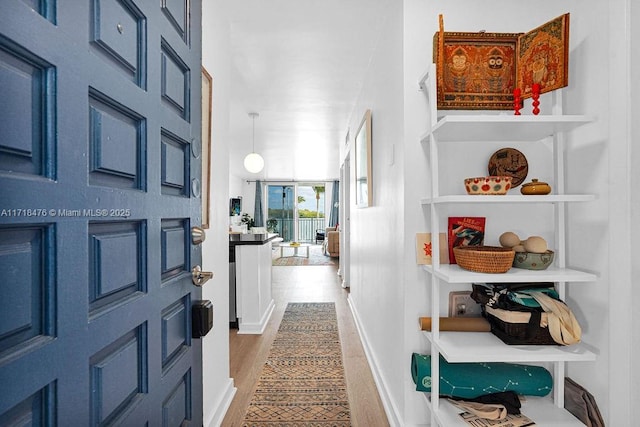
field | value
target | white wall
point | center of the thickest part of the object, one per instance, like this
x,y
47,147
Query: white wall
x,y
634,159
623,129
376,281
417,57
218,386
238,187
389,292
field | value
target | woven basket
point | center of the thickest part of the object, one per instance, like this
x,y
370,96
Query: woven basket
x,y
518,333
484,259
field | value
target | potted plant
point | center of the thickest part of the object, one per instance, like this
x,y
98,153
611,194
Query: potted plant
x,y
248,220
272,224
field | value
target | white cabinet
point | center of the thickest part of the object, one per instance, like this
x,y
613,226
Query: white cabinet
x,y
254,301
485,347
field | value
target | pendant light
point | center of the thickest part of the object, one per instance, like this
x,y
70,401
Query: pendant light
x,y
253,162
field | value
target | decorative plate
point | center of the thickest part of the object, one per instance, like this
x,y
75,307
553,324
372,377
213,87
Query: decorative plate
x,y
509,162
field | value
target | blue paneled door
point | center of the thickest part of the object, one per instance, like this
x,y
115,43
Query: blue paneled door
x,y
100,178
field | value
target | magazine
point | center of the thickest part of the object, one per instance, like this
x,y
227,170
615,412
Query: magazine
x,y
465,231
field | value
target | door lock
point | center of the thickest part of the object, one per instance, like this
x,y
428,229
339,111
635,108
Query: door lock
x,y
199,277
197,235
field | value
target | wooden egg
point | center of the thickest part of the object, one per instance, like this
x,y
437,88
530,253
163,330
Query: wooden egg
x,y
535,244
519,248
509,239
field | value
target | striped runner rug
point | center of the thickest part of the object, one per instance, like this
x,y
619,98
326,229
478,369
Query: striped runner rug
x,y
302,382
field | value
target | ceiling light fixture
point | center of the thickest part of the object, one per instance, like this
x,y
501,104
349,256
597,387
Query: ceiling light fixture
x,y
253,162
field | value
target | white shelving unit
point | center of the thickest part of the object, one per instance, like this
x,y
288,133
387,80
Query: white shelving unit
x,y
457,347
540,410
464,347
551,198
452,273
502,127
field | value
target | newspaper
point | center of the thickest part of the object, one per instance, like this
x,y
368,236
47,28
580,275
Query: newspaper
x,y
509,421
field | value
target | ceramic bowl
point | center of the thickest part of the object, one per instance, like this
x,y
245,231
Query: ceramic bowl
x,y
533,261
488,185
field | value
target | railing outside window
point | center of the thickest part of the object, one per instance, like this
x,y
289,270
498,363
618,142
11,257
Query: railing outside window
x,y
307,228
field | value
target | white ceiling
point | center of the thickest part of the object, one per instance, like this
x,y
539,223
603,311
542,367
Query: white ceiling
x,y
300,65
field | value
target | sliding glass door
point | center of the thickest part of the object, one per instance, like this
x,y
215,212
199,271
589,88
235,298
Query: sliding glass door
x,y
296,211
311,209
281,211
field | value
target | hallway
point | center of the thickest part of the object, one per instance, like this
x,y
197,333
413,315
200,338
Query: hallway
x,y
249,352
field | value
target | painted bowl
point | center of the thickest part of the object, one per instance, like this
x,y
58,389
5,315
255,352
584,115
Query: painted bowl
x,y
488,185
533,261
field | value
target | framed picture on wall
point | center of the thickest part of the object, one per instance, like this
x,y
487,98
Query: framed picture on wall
x,y
543,57
479,71
235,206
364,185
475,71
207,92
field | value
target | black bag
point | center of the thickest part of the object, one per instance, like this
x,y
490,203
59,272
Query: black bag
x,y
513,328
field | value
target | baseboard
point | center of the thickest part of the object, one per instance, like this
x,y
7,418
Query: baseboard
x,y
223,405
257,328
393,415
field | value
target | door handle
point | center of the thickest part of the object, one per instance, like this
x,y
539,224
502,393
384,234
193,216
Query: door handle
x,y
198,235
199,277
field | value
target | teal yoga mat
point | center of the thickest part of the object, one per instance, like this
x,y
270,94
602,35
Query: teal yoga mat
x,y
470,380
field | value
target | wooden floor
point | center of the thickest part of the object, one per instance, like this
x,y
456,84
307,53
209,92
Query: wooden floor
x,y
249,352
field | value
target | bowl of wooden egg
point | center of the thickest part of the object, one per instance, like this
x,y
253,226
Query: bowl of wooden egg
x,y
531,254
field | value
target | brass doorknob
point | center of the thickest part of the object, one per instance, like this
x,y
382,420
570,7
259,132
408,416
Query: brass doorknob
x,y
198,235
199,277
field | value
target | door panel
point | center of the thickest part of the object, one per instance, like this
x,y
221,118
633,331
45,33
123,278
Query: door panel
x,y
175,332
46,8
29,81
99,184
175,159
176,13
25,295
175,248
117,141
117,270
118,35
175,81
117,377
